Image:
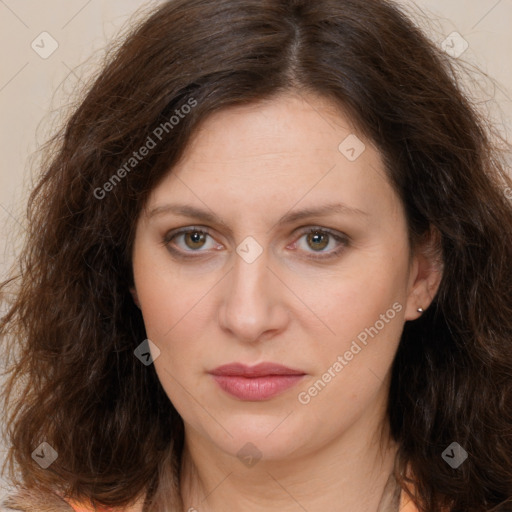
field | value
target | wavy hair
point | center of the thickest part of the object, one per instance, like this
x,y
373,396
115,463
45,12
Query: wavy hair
x,y
72,326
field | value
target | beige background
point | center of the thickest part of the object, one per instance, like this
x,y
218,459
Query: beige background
x,y
33,89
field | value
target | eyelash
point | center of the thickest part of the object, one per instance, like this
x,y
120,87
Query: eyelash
x,y
342,239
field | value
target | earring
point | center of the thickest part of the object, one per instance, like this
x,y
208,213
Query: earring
x,y
420,310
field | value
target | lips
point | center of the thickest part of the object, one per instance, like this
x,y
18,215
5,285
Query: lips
x,y
256,383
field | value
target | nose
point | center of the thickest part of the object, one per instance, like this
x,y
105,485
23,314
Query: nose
x,y
253,304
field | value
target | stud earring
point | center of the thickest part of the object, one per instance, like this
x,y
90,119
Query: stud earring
x,y
420,310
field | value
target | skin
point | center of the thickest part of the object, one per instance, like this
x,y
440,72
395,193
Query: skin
x,y
249,166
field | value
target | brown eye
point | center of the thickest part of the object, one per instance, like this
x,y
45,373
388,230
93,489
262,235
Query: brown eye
x,y
195,239
318,240
190,240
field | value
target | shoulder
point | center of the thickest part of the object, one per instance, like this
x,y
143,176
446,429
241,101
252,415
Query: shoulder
x,y
30,500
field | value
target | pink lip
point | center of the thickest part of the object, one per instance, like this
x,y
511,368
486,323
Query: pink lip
x,y
256,383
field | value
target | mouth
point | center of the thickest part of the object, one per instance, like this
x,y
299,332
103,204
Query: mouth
x,y
256,383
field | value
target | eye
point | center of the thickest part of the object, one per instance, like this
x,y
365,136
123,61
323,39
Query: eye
x,y
193,240
318,239
196,240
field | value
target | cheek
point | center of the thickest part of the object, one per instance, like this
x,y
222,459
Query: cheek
x,y
170,312
351,365
175,309
168,297
364,313
361,293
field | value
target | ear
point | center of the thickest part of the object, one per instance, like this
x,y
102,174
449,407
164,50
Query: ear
x,y
426,271
133,291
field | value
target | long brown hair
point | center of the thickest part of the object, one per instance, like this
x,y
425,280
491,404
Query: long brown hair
x,y
73,327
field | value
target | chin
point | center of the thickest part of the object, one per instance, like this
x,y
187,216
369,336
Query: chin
x,y
257,440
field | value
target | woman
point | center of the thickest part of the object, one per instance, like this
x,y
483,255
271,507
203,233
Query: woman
x,y
268,265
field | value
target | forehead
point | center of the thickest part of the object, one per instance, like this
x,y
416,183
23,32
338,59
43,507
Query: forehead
x,y
288,124
276,152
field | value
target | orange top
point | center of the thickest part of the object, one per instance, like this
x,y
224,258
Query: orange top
x,y
406,505
78,506
81,507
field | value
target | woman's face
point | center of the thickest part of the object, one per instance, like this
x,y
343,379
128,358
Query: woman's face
x,y
249,285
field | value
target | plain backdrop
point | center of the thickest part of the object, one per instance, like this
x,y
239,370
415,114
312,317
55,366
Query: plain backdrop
x,y
35,85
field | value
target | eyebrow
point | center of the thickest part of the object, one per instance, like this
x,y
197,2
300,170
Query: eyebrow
x,y
290,217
